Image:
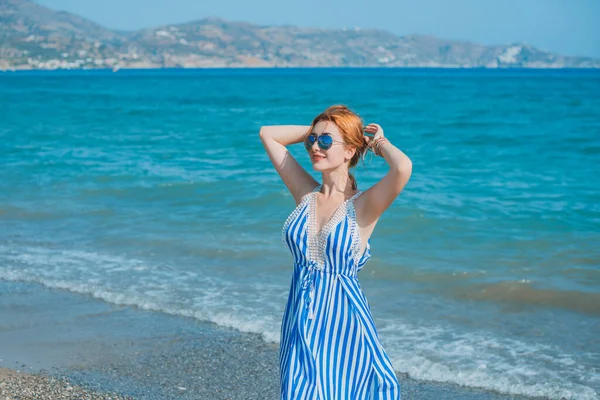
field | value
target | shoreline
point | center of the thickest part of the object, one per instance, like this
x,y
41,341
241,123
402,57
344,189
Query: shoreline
x,y
138,354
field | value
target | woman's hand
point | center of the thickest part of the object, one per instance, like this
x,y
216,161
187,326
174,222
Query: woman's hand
x,y
372,133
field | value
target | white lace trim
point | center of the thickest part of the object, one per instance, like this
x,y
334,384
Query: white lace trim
x,y
317,242
293,216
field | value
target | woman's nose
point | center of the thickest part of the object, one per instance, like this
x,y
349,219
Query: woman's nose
x,y
316,143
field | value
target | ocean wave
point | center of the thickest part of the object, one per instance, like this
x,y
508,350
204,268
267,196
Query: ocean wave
x,y
424,350
483,360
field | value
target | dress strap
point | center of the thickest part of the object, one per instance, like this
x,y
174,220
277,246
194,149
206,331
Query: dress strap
x,y
355,233
351,199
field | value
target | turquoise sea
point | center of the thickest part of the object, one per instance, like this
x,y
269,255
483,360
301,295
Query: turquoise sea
x,y
152,189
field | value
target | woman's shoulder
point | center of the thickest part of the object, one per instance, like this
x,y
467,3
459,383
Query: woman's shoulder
x,y
308,194
311,192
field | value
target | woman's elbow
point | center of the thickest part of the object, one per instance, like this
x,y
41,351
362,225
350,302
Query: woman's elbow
x,y
265,132
404,168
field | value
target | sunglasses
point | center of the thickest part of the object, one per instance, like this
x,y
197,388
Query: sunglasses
x,y
325,141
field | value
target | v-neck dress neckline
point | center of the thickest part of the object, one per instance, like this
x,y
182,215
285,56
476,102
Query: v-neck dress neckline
x,y
317,240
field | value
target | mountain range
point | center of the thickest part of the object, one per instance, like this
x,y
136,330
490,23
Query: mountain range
x,y
35,37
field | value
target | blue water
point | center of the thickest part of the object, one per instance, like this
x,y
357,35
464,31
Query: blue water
x,y
151,188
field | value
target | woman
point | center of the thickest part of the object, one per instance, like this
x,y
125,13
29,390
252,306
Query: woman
x,y
330,348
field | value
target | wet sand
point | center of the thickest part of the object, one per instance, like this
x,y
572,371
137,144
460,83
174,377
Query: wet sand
x,y
95,347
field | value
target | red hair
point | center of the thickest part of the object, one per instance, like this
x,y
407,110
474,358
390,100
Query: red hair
x,y
350,125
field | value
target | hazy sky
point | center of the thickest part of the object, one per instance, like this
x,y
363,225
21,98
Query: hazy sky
x,y
568,27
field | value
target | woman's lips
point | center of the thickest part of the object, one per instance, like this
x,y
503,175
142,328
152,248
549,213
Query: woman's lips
x,y
317,157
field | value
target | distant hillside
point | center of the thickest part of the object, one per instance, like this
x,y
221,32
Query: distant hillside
x,y
35,37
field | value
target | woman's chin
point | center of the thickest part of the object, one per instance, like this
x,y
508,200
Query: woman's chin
x,y
319,166
325,164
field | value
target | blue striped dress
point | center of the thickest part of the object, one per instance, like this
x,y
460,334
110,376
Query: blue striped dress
x,y
330,349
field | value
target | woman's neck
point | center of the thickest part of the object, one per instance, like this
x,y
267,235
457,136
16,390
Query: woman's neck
x,y
336,182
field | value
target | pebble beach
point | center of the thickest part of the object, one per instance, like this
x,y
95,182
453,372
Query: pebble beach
x,y
18,386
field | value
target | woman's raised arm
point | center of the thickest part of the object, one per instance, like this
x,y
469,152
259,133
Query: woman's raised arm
x,y
378,197
275,139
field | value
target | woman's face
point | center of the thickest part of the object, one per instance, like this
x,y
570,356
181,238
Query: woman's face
x,y
338,154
